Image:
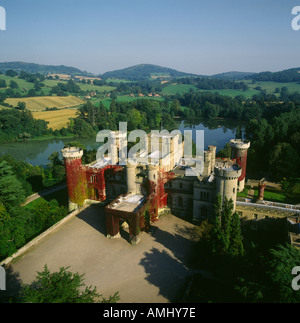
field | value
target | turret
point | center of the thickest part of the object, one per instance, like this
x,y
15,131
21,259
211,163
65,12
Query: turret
x,y
72,157
227,180
212,150
131,178
207,163
239,148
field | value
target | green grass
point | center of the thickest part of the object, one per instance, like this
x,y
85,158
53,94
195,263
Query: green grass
x,y
178,89
268,86
117,81
271,86
269,195
91,87
60,196
233,93
24,86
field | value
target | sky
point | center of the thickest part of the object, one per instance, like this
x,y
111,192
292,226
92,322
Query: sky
x,y
194,36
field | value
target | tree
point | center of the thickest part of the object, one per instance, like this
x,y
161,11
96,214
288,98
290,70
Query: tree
x,y
11,191
284,161
62,287
279,268
225,236
11,73
2,84
13,85
24,136
82,129
236,247
21,106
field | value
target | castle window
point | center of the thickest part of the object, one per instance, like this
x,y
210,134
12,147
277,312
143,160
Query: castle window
x,y
94,179
234,190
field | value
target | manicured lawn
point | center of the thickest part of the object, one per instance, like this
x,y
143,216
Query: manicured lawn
x,y
273,196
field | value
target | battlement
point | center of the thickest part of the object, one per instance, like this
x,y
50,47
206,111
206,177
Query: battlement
x,y
72,152
240,143
228,170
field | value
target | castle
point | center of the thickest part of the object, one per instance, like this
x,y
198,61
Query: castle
x,y
139,193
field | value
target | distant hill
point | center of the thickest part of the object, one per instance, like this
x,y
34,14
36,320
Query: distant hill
x,y
42,69
289,75
233,75
145,71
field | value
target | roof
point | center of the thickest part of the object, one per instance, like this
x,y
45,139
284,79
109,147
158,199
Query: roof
x,y
128,203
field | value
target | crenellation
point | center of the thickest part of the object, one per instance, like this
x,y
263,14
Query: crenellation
x,y
158,186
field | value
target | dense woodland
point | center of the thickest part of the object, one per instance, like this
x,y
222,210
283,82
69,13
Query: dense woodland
x,y
290,75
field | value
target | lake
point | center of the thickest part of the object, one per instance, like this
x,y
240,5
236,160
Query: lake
x,y
216,132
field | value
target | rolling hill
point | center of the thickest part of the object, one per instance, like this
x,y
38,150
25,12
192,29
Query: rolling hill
x,y
233,75
145,71
289,75
39,68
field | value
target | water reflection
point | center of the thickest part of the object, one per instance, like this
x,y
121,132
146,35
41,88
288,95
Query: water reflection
x,y
216,132
37,152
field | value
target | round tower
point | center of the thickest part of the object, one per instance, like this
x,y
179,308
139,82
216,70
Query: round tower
x,y
72,157
239,148
130,178
227,181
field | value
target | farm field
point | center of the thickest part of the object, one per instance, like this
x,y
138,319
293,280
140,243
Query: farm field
x,y
24,86
268,86
57,119
233,93
178,89
124,98
271,86
36,104
91,87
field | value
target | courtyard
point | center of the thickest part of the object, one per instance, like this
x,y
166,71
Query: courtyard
x,y
154,271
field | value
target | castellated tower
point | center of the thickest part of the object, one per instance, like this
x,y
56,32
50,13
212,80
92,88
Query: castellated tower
x,y
227,181
212,150
131,178
239,149
72,157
